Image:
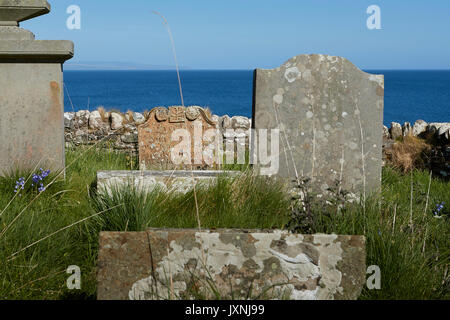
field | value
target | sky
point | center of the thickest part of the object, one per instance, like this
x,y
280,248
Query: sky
x,y
248,34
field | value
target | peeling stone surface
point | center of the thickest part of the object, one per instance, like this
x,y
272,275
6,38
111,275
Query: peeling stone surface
x,y
172,181
164,264
329,114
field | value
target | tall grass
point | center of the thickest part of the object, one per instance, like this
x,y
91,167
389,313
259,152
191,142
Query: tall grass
x,y
39,271
246,201
413,257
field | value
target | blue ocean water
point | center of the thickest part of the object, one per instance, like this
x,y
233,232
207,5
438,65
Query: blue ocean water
x,y
409,95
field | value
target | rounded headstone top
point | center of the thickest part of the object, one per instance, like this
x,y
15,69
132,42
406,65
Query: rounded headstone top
x,y
14,11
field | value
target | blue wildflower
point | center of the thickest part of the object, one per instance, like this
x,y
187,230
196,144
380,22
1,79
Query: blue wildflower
x,y
439,207
20,185
37,180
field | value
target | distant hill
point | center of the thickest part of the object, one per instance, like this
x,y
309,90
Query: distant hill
x,y
114,65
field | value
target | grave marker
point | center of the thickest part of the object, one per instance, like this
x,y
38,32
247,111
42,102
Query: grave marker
x,y
31,91
155,138
330,115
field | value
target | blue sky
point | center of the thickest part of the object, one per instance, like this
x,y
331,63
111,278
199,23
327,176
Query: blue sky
x,y
247,34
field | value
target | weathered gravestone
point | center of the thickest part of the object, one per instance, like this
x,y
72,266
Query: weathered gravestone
x,y
237,264
172,181
330,115
162,144
31,91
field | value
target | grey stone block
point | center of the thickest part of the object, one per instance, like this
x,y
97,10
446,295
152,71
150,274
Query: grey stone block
x,y
330,115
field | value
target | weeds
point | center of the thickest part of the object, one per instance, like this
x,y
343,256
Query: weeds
x,y
39,246
404,237
408,153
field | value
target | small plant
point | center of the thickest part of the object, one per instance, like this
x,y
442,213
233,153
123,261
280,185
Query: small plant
x,y
338,196
39,178
437,213
302,215
103,114
37,181
20,185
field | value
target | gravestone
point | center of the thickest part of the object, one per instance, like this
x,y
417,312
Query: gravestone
x,y
172,181
161,264
330,117
31,91
157,147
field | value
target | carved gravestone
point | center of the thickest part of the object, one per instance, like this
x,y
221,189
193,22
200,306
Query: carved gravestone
x,y
31,91
330,116
161,138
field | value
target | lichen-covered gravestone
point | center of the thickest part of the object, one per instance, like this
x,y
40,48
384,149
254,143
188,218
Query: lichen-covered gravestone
x,y
235,264
159,148
330,115
31,91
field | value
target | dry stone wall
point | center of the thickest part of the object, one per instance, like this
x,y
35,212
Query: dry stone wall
x,y
119,132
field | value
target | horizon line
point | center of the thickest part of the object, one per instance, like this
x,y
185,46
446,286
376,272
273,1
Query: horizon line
x,y
247,69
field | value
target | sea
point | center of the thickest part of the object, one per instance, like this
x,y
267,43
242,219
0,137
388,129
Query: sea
x,y
409,94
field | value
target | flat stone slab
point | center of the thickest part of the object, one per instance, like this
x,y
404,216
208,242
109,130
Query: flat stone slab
x,y
238,264
178,181
330,117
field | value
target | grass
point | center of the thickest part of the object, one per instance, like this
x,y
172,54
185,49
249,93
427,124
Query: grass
x,y
413,253
408,153
403,237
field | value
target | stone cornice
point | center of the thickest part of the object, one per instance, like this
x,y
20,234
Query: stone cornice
x,y
46,51
14,11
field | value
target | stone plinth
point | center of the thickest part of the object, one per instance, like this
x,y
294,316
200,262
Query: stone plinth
x,y
31,91
171,181
330,115
183,264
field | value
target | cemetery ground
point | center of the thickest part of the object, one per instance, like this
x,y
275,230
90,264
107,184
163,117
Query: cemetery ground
x,y
41,234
